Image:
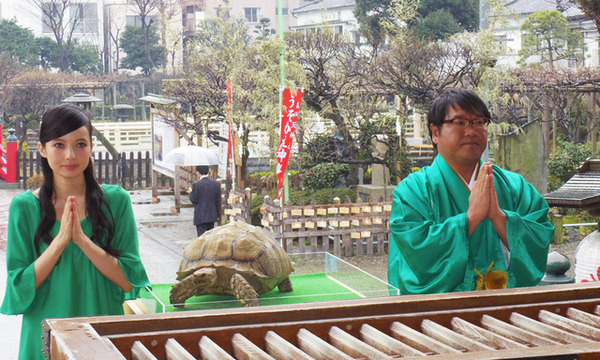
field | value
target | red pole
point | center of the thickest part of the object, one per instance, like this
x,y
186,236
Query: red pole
x,y
11,157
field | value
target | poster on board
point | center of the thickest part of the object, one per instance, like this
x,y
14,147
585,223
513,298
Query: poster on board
x,y
164,137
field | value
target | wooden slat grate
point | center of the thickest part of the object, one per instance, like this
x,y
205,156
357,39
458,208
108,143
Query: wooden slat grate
x,y
554,322
462,339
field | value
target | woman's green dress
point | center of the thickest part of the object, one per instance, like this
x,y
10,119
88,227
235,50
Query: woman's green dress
x,y
75,287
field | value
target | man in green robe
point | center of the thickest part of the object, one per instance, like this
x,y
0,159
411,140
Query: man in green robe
x,y
461,216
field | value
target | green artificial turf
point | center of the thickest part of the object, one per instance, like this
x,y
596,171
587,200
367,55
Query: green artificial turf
x,y
312,287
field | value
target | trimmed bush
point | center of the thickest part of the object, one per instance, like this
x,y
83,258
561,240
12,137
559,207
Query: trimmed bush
x,y
323,176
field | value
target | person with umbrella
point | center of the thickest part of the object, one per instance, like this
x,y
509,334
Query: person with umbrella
x,y
205,194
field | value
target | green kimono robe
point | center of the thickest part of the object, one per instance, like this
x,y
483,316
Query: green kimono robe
x,y
75,287
430,247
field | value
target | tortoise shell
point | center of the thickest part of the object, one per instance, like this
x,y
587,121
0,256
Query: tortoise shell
x,y
240,248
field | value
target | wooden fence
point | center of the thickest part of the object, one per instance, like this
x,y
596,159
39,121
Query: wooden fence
x,y
268,183
237,206
133,170
348,229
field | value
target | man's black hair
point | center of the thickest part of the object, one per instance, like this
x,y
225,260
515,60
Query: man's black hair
x,y
202,169
456,97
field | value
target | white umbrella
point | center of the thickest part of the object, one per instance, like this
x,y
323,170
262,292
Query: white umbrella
x,y
192,155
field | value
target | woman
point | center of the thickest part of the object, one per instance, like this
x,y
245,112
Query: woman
x,y
72,247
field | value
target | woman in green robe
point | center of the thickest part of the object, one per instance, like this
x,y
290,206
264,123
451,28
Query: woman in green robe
x,y
459,217
87,263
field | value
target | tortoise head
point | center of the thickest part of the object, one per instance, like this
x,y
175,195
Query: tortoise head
x,y
204,278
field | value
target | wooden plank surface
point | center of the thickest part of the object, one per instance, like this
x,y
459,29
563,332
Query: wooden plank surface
x,y
281,349
385,343
319,348
353,346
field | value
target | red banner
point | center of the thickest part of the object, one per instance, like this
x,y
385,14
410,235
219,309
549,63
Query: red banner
x,y
289,117
230,152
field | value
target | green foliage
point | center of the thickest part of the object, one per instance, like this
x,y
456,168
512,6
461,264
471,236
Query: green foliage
x,y
465,13
133,44
257,200
382,131
264,30
437,25
432,19
85,60
19,42
564,161
547,33
326,196
324,175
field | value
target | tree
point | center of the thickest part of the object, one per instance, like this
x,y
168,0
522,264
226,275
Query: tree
x,y
85,60
437,25
464,12
433,18
149,38
37,91
8,70
134,45
221,50
18,42
58,18
420,70
547,34
263,29
341,87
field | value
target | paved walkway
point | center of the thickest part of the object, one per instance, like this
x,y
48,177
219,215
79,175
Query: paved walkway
x,y
159,255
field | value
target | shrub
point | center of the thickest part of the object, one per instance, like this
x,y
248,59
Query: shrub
x,y
564,162
257,200
324,175
35,181
325,196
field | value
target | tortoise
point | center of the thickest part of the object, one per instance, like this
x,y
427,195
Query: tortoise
x,y
235,259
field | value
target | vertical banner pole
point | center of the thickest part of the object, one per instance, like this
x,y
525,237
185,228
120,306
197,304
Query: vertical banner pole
x,y
286,191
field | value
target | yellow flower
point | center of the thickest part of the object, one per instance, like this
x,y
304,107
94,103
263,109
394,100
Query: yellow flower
x,y
496,279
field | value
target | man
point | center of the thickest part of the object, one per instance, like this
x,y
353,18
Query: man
x,y
461,216
205,194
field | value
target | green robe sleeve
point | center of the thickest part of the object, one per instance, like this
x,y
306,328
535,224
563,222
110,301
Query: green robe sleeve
x,y
20,254
528,228
126,239
430,248
428,254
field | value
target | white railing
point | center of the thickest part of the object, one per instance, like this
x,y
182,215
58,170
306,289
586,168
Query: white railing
x,y
125,136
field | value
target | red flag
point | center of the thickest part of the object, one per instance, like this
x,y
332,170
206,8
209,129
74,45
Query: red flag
x,y
289,117
230,152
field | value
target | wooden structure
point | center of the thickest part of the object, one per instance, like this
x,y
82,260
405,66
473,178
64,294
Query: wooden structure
x,y
359,228
581,191
546,322
237,205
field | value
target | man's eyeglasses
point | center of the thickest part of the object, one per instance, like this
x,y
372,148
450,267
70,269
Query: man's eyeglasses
x,y
461,123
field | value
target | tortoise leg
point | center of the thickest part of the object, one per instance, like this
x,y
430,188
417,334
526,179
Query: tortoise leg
x,y
189,286
285,285
243,290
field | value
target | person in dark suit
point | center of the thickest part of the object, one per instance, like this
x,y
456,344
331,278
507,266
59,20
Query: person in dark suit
x,y
205,194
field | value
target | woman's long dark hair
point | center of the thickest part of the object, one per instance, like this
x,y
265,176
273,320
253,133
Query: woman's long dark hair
x,y
58,122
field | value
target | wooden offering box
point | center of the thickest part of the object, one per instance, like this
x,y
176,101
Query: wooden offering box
x,y
546,322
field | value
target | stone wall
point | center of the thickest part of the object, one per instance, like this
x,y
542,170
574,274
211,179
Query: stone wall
x,y
524,152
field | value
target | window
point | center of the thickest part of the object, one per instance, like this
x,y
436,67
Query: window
x,y
284,11
84,16
50,15
137,20
252,14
